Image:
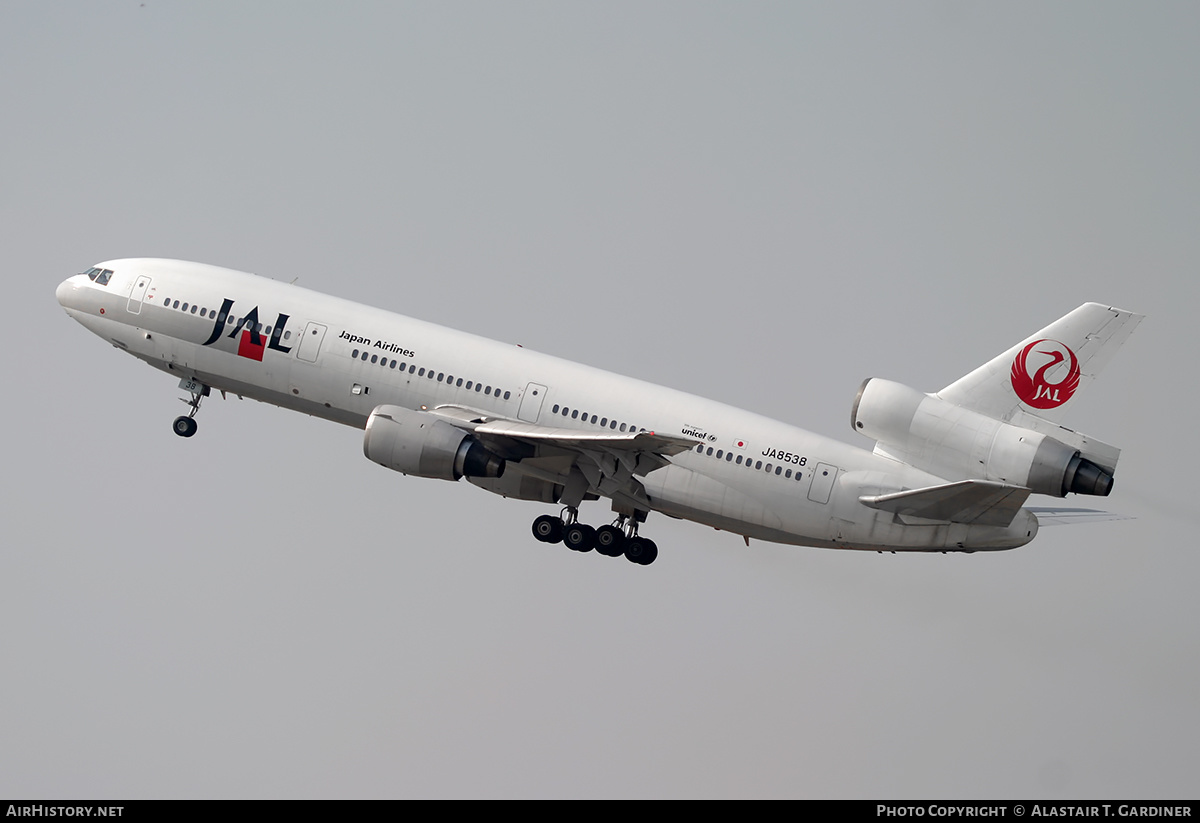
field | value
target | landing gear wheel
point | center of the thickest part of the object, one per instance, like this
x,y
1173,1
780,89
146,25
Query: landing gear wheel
x,y
184,426
640,550
579,537
610,541
548,529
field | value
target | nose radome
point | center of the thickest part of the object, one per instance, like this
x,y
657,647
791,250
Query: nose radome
x,y
64,291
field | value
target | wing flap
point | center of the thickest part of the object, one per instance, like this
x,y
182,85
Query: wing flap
x,y
484,424
979,502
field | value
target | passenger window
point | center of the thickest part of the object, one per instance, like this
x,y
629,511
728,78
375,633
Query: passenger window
x,y
575,414
758,464
622,427
778,470
374,358
709,452
422,372
354,354
175,305
788,474
458,382
555,409
739,460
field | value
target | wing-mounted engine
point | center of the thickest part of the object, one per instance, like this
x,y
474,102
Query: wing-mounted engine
x,y
957,443
418,443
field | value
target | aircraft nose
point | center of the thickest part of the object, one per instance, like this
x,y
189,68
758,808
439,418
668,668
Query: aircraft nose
x,y
65,290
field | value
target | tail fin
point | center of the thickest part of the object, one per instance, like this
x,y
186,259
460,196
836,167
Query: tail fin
x,y
998,422
1039,376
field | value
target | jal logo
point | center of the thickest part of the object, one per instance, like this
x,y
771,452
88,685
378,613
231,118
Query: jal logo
x,y
1054,378
252,343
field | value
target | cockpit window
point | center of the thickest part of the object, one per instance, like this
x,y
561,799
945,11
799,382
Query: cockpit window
x,y
101,276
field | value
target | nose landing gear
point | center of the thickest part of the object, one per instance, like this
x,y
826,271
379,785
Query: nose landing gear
x,y
186,426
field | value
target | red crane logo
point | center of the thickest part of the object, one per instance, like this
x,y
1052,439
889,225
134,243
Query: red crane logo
x,y
1038,391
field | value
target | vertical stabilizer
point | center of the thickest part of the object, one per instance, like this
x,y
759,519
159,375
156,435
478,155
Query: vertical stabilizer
x,y
1042,374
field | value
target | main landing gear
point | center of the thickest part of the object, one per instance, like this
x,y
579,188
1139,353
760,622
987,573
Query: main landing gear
x,y
614,540
186,426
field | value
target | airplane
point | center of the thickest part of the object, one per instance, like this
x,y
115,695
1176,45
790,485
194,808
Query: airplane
x,y
950,471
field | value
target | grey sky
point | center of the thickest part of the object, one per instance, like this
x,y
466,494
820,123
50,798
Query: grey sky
x,y
762,203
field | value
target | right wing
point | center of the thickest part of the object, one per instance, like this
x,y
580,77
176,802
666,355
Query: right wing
x,y
1052,516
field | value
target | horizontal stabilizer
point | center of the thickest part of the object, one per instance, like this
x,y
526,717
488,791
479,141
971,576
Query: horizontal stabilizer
x,y
980,502
1050,516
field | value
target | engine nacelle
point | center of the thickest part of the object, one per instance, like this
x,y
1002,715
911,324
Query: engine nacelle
x,y
416,443
958,444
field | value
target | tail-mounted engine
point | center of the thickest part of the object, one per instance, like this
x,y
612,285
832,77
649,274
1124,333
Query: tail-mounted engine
x,y
415,443
959,444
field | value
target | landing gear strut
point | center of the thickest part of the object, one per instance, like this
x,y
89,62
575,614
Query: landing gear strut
x,y
186,426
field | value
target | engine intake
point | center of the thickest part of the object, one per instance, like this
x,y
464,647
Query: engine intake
x,y
416,443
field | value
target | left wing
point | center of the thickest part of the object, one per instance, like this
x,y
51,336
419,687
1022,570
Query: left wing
x,y
607,463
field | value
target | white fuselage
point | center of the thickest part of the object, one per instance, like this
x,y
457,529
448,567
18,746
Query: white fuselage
x,y
302,350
